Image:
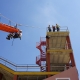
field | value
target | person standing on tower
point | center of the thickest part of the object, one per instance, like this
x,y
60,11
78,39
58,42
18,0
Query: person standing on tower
x,y
57,27
49,28
53,28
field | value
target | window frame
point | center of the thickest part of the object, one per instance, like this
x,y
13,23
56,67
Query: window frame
x,y
62,78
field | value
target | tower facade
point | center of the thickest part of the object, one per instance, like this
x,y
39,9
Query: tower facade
x,y
59,55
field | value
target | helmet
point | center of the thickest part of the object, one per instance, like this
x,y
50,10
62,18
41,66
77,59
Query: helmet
x,y
21,31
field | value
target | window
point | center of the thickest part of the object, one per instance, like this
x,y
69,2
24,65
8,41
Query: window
x,y
62,78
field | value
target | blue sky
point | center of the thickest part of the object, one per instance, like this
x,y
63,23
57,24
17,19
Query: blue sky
x,y
38,13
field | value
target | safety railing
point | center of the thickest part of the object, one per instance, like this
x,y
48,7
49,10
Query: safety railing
x,y
43,56
38,58
37,44
43,39
19,67
25,67
61,28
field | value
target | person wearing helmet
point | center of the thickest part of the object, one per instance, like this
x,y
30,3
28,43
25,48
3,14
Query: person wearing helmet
x,y
53,28
20,34
49,29
57,27
14,35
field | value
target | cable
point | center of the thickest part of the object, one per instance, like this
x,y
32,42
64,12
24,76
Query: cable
x,y
34,27
7,18
26,25
17,23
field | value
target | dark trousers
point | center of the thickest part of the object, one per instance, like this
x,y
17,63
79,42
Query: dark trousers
x,y
57,28
49,29
16,35
53,29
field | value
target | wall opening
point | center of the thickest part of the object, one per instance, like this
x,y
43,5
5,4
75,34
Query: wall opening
x,y
62,78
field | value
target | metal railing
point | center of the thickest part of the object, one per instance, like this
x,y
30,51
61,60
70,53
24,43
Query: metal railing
x,y
43,39
25,67
19,67
62,28
38,57
41,56
37,44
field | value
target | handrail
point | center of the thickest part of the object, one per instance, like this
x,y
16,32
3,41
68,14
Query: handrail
x,y
42,39
8,62
37,44
25,67
40,56
62,28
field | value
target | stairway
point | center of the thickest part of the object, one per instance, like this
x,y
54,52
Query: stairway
x,y
42,57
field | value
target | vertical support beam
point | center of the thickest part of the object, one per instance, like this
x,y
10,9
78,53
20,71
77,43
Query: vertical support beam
x,y
71,54
47,56
47,42
72,60
68,42
15,77
48,63
1,75
67,66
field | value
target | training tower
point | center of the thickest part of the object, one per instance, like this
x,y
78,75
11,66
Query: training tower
x,y
55,62
57,56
